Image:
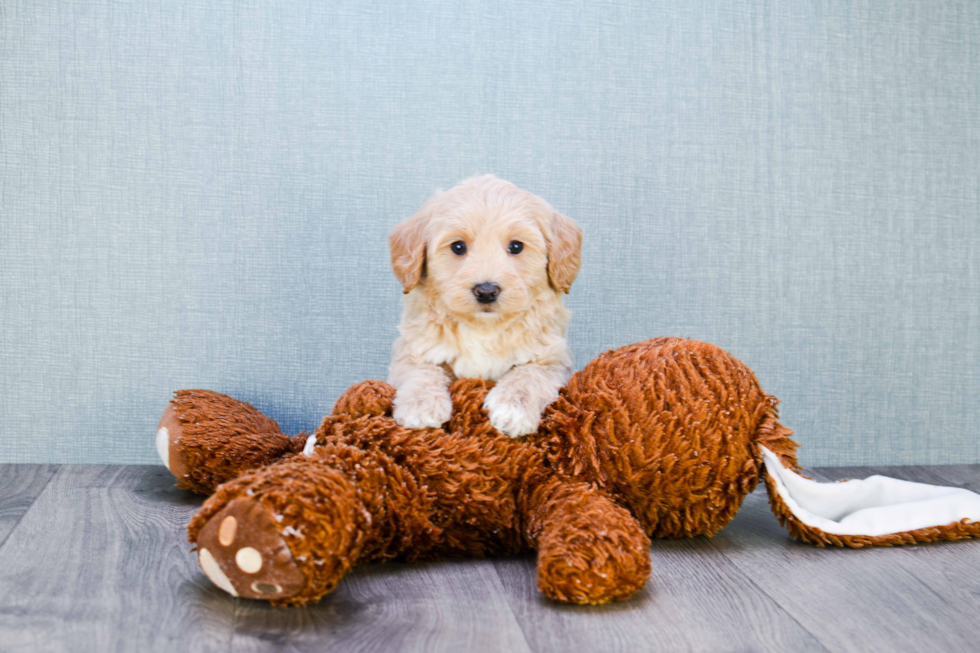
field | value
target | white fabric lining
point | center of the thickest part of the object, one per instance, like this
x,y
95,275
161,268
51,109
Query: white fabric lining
x,y
163,445
310,444
877,505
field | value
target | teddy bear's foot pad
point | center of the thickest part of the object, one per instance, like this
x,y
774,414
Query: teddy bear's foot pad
x,y
169,446
241,551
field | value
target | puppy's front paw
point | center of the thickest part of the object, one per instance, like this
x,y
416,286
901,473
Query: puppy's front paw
x,y
421,410
509,416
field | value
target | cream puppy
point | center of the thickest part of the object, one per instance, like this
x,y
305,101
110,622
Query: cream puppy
x,y
484,266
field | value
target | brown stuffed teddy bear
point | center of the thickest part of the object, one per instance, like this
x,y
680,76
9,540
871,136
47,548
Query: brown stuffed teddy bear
x,y
659,439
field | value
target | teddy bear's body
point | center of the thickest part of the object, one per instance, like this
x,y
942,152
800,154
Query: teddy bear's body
x,y
662,438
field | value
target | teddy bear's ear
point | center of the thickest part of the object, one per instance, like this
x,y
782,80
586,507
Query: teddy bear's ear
x,y
564,251
407,242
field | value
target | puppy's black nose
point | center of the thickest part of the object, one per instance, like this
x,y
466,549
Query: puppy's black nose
x,y
486,293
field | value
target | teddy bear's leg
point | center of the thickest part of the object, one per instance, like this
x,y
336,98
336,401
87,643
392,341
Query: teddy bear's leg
x,y
289,532
590,550
205,438
366,398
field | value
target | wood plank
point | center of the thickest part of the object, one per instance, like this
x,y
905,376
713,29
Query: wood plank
x,y
101,562
904,598
695,601
20,485
965,476
445,606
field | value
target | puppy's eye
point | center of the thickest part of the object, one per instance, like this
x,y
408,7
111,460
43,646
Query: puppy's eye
x,y
515,247
459,248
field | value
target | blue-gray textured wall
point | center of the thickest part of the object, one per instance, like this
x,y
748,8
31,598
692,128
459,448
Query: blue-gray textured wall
x,y
197,194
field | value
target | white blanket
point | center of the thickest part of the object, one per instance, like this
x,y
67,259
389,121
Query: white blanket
x,y
873,506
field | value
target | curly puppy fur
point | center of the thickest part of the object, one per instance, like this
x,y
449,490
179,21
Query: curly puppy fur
x,y
655,439
483,233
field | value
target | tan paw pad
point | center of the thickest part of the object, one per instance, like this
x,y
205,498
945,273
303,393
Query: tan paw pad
x,y
266,588
226,533
213,571
248,560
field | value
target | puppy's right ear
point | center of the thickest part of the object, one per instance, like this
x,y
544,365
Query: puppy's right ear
x,y
407,243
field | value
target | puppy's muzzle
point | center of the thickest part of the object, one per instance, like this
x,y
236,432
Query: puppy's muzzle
x,y
486,293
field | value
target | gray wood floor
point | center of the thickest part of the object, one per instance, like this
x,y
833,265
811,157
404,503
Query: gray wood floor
x,y
94,558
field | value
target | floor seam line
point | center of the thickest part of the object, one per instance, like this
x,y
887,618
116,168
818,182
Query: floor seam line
x,y
20,519
510,608
778,605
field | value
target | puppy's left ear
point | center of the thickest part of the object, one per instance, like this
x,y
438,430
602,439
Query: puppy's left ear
x,y
407,243
564,251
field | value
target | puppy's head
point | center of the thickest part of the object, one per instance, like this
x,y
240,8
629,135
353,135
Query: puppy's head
x,y
486,249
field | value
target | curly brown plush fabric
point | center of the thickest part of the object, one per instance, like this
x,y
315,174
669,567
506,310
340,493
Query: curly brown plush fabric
x,y
214,438
659,439
670,428
375,490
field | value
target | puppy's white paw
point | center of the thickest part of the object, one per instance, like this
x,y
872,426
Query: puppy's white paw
x,y
421,410
512,418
